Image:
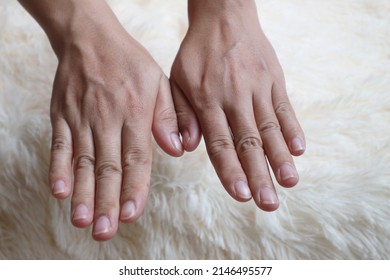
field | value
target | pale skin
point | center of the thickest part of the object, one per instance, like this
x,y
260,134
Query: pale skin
x,y
109,96
227,75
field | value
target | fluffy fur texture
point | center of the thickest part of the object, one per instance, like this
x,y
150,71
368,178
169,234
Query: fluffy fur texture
x,y
337,64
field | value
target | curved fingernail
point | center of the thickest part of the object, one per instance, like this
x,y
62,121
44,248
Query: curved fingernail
x,y
287,171
242,190
102,225
128,210
58,187
176,142
297,145
186,137
268,196
80,212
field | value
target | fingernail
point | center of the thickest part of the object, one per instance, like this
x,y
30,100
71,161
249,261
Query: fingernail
x,y
128,210
287,171
80,212
242,190
268,196
59,187
186,137
102,225
297,144
176,142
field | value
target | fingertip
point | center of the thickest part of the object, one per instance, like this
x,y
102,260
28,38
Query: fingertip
x,y
191,138
287,175
60,189
81,216
269,207
267,200
104,228
170,143
131,211
177,148
128,212
297,146
242,191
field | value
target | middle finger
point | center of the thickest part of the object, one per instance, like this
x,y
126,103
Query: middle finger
x,y
108,174
249,148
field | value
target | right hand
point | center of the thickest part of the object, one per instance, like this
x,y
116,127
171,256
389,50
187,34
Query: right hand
x,y
108,95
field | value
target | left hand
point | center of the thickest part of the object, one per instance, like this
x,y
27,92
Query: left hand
x,y
226,76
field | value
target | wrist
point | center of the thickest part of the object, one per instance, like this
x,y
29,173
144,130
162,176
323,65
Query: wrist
x,y
216,10
71,20
223,21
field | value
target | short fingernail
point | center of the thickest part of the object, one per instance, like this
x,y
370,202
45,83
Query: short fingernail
x,y
287,171
242,190
102,225
176,142
186,137
297,144
268,196
80,212
58,187
128,210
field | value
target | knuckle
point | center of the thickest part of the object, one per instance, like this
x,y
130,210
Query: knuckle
x,y
264,73
219,146
204,99
135,157
153,70
107,169
205,103
60,144
283,108
248,144
135,108
84,161
268,126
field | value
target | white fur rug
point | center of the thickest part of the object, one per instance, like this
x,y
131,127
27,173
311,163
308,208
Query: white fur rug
x,y
336,57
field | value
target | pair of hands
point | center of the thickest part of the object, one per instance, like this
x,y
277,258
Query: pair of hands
x,y
109,94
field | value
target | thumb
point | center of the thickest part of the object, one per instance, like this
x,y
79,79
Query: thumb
x,y
188,122
165,129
